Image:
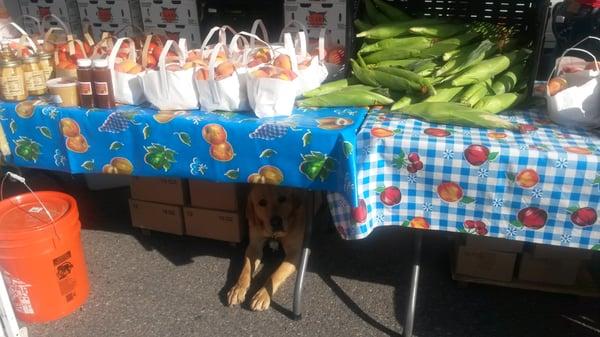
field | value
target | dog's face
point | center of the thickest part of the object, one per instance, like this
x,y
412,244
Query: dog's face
x,y
273,209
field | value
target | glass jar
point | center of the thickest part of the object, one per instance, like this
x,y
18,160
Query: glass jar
x,y
35,80
12,82
47,64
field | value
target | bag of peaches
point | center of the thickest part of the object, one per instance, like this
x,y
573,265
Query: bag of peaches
x,y
311,69
272,88
170,86
126,72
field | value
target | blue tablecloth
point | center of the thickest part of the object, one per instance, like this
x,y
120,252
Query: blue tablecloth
x,y
539,183
311,149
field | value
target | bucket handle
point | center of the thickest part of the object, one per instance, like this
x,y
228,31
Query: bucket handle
x,y
22,181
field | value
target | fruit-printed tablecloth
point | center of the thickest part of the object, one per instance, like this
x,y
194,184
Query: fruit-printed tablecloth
x,y
310,149
538,183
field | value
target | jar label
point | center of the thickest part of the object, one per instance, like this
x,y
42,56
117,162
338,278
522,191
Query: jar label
x,y
34,80
48,73
85,88
12,85
101,88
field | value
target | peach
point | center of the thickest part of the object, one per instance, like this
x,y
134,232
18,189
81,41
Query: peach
x,y
272,174
419,223
283,61
109,169
450,192
136,69
125,66
556,85
260,73
222,152
214,134
69,127
77,144
527,178
224,70
202,74
188,65
122,165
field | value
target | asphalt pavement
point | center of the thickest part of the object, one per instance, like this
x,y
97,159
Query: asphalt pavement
x,y
166,285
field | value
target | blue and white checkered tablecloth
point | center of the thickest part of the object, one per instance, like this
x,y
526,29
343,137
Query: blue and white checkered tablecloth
x,y
539,183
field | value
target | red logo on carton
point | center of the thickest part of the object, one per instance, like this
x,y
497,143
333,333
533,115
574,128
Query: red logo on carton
x,y
104,14
169,14
172,35
43,12
316,19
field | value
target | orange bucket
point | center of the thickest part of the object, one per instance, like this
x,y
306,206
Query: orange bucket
x,y
41,257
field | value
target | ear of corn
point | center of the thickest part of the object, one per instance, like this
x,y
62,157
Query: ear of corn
x,y
474,93
444,94
396,63
361,25
394,29
390,11
353,97
390,54
443,30
466,60
508,80
401,103
363,75
495,104
415,42
327,88
425,86
396,82
424,67
374,15
456,114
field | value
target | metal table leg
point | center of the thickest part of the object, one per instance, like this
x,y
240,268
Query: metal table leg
x,y
414,285
297,307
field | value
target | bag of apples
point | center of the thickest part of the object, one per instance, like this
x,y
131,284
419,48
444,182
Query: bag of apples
x,y
219,86
125,72
272,89
170,86
573,98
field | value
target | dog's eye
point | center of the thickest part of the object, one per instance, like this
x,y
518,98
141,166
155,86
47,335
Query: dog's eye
x,y
282,199
262,202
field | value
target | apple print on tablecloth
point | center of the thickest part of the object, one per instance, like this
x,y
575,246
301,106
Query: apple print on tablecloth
x,y
473,227
452,192
527,178
583,217
531,217
478,155
412,162
359,213
527,128
435,132
417,222
389,196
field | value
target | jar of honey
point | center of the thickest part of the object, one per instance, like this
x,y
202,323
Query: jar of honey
x,y
47,64
35,80
12,81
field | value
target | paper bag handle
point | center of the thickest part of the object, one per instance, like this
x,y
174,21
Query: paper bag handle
x,y
255,26
162,69
555,70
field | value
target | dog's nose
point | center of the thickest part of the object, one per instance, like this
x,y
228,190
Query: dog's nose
x,y
277,223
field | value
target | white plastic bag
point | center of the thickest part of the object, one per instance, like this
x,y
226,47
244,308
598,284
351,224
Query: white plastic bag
x,y
578,105
127,87
227,94
311,69
575,70
170,90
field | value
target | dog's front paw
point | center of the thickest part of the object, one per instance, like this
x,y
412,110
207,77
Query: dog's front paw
x,y
236,295
261,300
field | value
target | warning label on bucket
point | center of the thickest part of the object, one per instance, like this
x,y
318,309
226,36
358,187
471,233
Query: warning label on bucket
x,y
19,294
66,282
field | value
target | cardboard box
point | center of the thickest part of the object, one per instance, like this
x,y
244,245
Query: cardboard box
x,y
497,244
211,224
161,190
170,12
157,217
540,251
110,16
330,15
548,270
174,32
211,195
66,10
486,264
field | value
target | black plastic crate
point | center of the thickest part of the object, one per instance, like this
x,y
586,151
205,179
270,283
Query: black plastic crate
x,y
528,17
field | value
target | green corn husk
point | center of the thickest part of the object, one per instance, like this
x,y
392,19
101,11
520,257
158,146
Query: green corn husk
x,y
466,60
455,114
443,30
498,103
394,29
423,68
361,25
395,14
374,15
445,46
444,94
390,54
477,96
327,88
425,85
414,42
507,81
401,103
475,92
354,97
461,51
486,69
396,63
324,89
364,75
395,82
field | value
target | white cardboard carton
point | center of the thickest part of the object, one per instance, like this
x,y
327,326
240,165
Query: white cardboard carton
x,y
66,10
171,12
110,16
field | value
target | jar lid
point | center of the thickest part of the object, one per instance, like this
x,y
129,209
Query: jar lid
x,y
100,63
84,63
45,55
9,62
30,59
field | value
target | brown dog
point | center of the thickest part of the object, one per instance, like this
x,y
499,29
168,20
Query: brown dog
x,y
274,213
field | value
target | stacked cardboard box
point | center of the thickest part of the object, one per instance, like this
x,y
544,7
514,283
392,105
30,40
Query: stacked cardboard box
x,y
174,18
65,10
487,258
111,16
552,265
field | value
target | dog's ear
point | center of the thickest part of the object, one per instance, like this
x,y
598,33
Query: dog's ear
x,y
298,199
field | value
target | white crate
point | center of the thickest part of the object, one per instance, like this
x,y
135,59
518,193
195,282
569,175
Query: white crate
x,y
66,10
174,32
170,12
330,15
110,16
